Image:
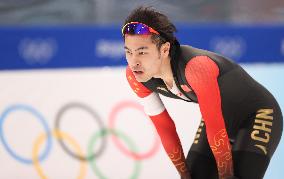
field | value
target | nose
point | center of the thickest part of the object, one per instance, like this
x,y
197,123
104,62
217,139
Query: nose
x,y
135,66
134,62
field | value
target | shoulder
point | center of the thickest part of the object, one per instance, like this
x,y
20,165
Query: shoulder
x,y
202,64
136,86
201,72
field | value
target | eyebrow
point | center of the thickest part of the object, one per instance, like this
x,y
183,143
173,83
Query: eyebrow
x,y
140,48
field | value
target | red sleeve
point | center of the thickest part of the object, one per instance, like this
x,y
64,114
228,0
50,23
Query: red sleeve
x,y
162,121
136,86
170,140
201,73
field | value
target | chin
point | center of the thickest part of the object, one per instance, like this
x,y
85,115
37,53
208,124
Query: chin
x,y
142,80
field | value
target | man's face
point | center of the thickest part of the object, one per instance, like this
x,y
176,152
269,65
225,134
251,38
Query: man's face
x,y
142,56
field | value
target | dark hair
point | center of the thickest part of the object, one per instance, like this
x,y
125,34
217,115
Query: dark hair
x,y
156,20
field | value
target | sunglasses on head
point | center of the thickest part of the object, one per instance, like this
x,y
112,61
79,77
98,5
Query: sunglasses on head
x,y
137,28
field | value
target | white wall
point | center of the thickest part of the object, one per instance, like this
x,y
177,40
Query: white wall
x,y
101,89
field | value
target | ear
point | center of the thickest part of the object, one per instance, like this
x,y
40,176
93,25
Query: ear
x,y
165,49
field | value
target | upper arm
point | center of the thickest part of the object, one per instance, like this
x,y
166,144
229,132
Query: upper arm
x,y
202,75
151,101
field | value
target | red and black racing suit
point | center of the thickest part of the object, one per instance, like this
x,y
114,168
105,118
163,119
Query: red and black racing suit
x,y
241,122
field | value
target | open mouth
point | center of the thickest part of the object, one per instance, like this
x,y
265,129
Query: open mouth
x,y
138,72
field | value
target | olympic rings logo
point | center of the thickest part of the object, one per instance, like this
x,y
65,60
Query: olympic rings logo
x,y
117,136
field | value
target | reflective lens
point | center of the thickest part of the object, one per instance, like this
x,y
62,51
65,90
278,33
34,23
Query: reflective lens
x,y
138,28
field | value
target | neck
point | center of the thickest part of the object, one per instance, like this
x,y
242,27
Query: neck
x,y
166,73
